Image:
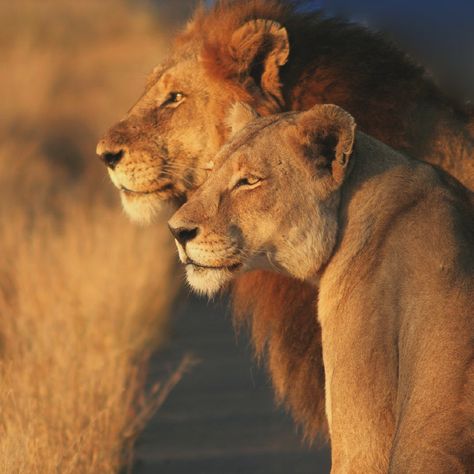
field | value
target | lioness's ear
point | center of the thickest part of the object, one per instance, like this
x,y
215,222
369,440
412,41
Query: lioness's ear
x,y
259,48
240,115
328,132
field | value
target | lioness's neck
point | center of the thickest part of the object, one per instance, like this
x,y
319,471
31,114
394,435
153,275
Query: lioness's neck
x,y
398,216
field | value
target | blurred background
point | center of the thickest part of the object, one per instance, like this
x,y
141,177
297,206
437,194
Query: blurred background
x,y
437,33
92,329
80,306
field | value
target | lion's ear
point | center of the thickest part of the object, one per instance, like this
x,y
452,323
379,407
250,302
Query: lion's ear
x,y
259,48
328,133
239,116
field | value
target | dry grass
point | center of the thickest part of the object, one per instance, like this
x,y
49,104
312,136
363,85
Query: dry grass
x,y
83,293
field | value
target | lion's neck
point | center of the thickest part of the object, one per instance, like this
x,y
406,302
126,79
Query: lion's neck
x,y
423,124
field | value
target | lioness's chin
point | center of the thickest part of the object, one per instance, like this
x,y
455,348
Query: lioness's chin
x,y
141,209
207,281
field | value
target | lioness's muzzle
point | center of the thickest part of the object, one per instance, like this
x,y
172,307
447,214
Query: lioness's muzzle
x,y
183,234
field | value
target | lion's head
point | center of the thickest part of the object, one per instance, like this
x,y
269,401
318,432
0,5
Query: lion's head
x,y
163,148
252,212
266,54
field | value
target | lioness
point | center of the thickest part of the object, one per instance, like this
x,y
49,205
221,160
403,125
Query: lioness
x,y
389,241
265,53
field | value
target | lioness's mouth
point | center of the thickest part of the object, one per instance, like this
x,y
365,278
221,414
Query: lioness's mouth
x,y
232,268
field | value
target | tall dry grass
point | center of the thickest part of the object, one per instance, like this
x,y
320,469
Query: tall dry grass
x,y
84,294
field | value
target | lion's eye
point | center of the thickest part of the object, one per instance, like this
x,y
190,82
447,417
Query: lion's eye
x,y
248,182
173,98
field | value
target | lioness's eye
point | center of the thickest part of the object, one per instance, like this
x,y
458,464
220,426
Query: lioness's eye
x,y
173,98
249,181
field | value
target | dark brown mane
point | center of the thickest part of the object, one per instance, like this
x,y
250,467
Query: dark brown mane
x,y
332,61
214,26
281,315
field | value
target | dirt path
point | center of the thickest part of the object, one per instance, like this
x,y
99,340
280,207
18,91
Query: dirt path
x,y
221,418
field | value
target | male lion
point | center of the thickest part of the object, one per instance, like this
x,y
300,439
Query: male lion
x,y
389,241
264,53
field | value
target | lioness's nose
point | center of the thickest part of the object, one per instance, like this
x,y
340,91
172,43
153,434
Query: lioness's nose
x,y
184,234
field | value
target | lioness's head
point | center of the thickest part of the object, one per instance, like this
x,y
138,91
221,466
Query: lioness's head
x,y
162,148
272,201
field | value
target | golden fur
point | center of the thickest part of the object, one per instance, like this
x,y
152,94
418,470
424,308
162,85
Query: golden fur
x,y
389,241
289,61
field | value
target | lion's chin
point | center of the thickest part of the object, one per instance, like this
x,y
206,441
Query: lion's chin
x,y
142,209
207,281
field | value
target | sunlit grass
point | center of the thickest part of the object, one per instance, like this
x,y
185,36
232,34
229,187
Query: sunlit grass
x,y
84,294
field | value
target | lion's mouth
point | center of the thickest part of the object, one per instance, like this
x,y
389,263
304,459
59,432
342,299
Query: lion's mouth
x,y
158,190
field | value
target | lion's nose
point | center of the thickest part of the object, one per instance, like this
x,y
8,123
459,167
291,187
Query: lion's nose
x,y
109,154
184,234
111,158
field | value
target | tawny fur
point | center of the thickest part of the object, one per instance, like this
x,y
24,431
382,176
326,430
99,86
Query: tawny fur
x,y
168,150
395,279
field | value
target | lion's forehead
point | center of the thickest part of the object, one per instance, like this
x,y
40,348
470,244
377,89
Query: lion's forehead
x,y
172,65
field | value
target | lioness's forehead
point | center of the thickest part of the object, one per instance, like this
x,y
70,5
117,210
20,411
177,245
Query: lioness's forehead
x,y
265,129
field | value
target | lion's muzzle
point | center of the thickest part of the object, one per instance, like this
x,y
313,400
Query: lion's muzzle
x,y
110,155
